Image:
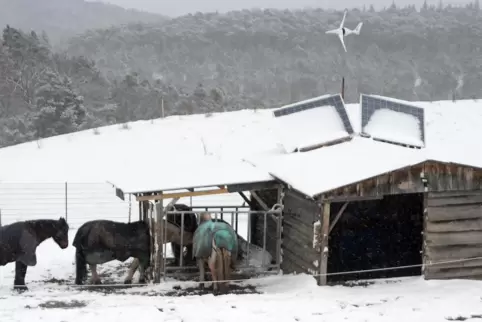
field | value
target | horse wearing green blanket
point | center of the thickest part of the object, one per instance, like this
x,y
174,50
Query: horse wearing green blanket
x,y
215,243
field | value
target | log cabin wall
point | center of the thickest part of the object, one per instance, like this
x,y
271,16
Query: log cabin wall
x,y
453,232
299,216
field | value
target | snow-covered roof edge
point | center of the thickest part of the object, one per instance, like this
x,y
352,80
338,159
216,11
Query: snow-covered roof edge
x,y
315,196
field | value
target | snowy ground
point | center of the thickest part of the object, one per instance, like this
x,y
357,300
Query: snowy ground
x,y
281,298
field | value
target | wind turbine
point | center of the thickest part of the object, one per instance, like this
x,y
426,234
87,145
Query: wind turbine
x,y
341,31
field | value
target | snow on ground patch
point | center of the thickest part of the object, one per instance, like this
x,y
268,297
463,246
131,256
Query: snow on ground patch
x,y
395,127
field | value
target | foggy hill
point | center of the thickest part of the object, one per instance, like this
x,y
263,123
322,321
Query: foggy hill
x,y
63,18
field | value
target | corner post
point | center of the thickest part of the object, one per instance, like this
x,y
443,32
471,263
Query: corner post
x,y
325,231
159,240
425,259
279,229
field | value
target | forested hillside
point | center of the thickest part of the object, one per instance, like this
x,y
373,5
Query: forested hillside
x,y
244,59
281,56
64,18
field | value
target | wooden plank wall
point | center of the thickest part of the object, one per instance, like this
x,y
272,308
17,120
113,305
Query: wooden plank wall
x,y
299,216
453,232
270,197
440,176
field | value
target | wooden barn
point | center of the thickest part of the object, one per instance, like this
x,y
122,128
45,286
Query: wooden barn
x,y
377,207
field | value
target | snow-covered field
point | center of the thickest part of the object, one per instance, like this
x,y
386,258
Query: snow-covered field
x,y
282,298
32,186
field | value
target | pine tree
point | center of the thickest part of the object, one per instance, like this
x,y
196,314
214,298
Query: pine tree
x,y
59,109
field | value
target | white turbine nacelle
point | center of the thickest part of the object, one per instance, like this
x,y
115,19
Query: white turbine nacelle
x,y
341,32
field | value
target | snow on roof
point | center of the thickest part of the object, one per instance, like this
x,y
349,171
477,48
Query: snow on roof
x,y
212,147
312,122
392,120
325,169
198,173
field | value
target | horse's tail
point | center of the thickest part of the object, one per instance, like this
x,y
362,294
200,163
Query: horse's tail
x,y
80,262
80,266
224,267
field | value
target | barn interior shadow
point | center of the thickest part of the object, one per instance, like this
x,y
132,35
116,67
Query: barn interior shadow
x,y
377,234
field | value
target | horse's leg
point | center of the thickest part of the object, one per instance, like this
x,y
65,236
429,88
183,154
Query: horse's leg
x,y
212,267
202,273
142,273
20,272
132,270
95,279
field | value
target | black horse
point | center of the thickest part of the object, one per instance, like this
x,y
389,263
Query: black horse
x,y
101,241
19,242
190,225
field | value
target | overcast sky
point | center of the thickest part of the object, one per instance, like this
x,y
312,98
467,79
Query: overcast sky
x,y
179,7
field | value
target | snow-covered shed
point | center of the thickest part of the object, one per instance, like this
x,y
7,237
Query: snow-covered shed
x,y
376,192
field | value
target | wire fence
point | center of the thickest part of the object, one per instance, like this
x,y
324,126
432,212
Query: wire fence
x,y
79,202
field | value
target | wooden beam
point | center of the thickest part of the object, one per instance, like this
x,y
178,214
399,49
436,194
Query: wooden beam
x,y
171,204
352,198
259,200
246,199
184,194
257,186
338,216
325,231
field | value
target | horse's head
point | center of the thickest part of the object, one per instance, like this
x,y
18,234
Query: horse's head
x,y
61,233
205,216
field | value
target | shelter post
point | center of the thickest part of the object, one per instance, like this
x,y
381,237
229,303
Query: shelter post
x,y
425,221
279,229
159,240
325,231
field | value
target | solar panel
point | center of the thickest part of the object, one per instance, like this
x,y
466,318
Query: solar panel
x,y
314,122
392,120
332,100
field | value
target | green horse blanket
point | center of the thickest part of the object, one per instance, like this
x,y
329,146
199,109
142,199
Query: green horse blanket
x,y
223,235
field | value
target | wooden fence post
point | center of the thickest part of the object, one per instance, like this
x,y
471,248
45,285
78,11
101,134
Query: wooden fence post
x,y
66,204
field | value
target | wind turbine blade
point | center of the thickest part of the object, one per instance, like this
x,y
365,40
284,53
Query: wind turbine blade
x,y
342,42
343,20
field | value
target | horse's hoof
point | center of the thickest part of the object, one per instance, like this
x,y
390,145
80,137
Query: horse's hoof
x,y
142,281
127,282
20,288
97,282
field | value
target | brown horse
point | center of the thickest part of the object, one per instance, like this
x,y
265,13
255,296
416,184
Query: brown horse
x,y
216,244
172,234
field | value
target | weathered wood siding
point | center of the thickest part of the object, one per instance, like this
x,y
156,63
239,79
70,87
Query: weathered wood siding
x,y
299,215
441,177
453,231
269,197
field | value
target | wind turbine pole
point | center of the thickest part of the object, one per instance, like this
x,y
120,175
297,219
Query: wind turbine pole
x,y
343,88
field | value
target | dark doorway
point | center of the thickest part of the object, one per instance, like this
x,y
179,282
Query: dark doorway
x,y
377,234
